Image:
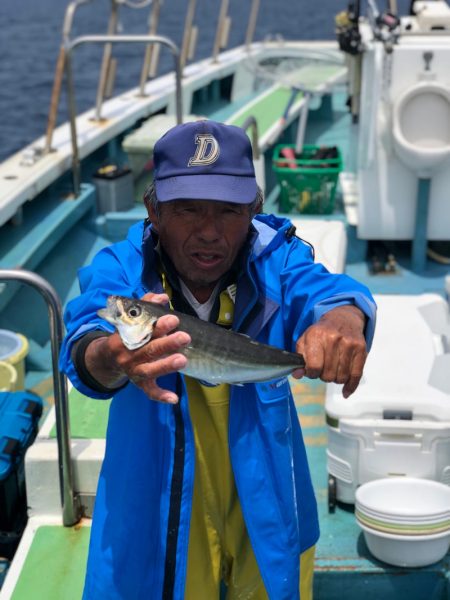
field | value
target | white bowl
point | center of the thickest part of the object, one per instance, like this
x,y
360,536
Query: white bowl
x,y
411,520
406,497
398,520
402,529
406,551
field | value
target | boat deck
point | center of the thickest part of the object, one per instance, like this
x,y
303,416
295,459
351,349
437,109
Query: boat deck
x,y
343,566
58,550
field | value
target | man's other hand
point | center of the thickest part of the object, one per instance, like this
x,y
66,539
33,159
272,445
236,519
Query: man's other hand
x,y
334,348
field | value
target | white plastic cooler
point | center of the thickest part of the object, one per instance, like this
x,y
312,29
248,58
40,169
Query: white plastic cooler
x,y
398,421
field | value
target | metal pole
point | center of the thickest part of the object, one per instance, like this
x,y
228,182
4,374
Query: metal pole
x,y
59,72
252,122
106,62
106,39
70,508
220,26
154,19
302,123
392,5
54,100
252,22
187,32
76,175
419,243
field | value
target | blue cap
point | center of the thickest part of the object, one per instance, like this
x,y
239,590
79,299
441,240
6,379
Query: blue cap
x,y
204,160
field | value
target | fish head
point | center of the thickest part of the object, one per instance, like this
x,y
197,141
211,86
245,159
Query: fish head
x,y
134,323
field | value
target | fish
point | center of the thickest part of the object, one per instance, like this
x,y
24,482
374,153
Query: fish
x,y
215,355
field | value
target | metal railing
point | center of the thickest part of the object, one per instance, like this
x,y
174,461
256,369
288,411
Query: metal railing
x,y
250,121
59,72
151,52
107,70
70,508
108,65
222,31
252,23
189,34
107,39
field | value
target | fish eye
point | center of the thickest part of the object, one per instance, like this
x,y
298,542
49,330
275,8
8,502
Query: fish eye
x,y
135,311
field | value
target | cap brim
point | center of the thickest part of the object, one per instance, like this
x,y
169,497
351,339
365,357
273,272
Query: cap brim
x,y
222,188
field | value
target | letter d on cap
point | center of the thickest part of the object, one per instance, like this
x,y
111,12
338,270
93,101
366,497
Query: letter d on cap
x,y
207,151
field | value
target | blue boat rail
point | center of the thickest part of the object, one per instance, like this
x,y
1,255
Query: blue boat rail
x,y
71,510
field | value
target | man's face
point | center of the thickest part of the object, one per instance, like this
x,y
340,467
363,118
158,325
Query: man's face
x,y
202,238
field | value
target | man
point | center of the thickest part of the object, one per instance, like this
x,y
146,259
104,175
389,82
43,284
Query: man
x,y
208,486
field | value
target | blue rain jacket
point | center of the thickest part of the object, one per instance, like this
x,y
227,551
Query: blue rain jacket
x,y
140,531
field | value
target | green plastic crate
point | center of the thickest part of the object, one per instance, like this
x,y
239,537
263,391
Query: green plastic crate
x,y
309,186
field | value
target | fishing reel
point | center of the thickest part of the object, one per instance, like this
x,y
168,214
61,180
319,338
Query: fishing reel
x,y
385,26
347,33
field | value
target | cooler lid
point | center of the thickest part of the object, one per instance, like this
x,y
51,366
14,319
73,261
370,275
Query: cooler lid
x,y
407,370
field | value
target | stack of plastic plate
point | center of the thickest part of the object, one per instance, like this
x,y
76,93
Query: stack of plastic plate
x,y
406,521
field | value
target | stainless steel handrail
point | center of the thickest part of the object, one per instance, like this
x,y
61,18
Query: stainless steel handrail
x,y
252,23
151,58
107,69
221,25
250,121
59,72
188,31
107,39
70,508
107,62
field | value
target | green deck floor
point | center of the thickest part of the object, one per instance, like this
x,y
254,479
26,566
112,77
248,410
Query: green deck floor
x,y
264,109
270,107
88,417
55,565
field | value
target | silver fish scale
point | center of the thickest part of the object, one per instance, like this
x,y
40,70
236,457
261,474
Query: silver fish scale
x,y
216,369
218,355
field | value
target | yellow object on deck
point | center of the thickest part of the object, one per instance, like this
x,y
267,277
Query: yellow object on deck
x,y
13,350
8,377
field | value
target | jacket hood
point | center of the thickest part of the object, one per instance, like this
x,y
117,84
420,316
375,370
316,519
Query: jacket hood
x,y
271,233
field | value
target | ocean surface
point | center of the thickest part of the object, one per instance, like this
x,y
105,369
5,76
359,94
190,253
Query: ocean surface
x,y
31,33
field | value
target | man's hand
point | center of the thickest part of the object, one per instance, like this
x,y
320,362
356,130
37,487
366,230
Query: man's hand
x,y
110,362
334,348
